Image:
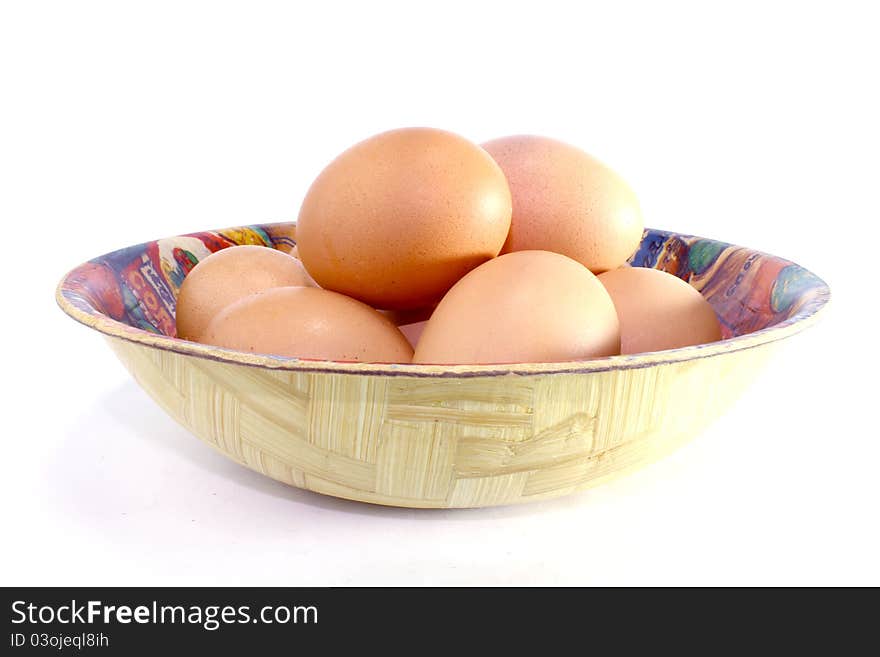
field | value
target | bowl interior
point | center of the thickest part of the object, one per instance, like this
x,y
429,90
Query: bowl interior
x,y
750,291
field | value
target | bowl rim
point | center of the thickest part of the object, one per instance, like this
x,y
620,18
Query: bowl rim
x,y
803,318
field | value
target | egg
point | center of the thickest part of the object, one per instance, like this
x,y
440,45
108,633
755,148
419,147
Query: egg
x,y
567,201
228,275
397,219
527,306
658,310
307,322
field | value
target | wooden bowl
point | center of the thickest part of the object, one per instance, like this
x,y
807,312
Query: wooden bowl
x,y
442,436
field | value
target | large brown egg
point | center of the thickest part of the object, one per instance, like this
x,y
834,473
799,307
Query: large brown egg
x,y
228,275
528,306
307,322
566,201
397,219
658,310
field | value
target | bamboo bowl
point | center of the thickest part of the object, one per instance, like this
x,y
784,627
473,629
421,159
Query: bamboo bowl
x,y
442,436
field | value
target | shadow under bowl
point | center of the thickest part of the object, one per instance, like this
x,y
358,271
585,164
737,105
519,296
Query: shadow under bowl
x,y
442,436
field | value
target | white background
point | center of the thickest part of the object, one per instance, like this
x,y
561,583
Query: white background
x,y
120,122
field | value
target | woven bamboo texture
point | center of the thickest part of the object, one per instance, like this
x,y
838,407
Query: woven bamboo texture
x,y
453,442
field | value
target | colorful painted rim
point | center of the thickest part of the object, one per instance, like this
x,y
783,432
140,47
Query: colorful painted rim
x,y
760,298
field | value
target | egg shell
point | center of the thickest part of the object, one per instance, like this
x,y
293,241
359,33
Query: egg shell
x,y
397,219
307,322
566,201
228,275
658,310
528,306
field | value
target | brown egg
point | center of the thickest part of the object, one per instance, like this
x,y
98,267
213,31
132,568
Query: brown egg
x,y
528,306
658,310
397,219
307,322
228,275
566,201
